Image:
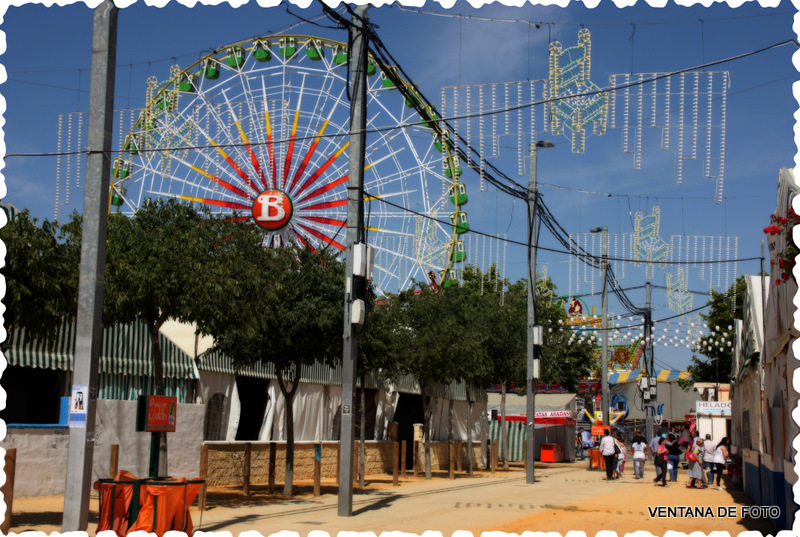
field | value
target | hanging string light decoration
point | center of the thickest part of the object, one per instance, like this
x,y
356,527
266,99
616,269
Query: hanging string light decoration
x,y
682,258
647,99
648,246
679,299
71,136
577,102
505,102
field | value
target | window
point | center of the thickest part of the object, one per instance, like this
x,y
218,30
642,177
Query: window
x,y
213,426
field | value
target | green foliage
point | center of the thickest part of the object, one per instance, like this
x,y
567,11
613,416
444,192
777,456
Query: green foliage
x,y
41,272
439,342
501,316
281,306
717,364
562,362
152,263
285,307
380,347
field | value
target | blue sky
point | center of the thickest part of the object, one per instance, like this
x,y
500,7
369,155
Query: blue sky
x,y
48,75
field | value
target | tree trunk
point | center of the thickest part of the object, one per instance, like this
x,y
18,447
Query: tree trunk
x,y
450,420
363,426
469,429
503,426
426,427
288,396
154,324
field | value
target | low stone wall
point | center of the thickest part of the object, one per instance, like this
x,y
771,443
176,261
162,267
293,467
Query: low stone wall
x,y
440,456
225,462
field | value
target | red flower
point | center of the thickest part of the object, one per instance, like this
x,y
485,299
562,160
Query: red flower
x,y
785,276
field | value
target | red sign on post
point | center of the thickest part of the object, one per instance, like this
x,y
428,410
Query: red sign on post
x,y
599,430
161,413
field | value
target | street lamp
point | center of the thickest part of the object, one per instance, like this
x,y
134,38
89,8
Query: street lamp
x,y
530,450
604,397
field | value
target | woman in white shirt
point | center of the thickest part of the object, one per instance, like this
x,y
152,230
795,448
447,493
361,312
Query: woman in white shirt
x,y
720,459
607,445
639,451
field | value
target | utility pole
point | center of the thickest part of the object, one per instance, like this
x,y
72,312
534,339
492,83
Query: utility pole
x,y
650,402
355,228
88,334
605,400
533,341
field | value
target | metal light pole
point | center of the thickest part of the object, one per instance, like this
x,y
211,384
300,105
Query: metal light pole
x,y
88,333
604,395
530,449
355,226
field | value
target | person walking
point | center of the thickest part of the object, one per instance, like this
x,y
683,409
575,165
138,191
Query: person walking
x,y
694,456
720,459
620,455
708,456
608,450
674,455
639,451
660,459
654,449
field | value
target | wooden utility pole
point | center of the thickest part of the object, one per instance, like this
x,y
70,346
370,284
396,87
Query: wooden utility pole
x,y
355,227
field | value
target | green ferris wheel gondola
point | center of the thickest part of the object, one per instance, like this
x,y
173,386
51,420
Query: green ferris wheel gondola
x,y
458,194
459,222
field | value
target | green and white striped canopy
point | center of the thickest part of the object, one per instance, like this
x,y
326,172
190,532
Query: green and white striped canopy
x,y
125,350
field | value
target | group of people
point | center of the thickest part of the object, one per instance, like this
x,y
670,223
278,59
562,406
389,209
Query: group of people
x,y
706,459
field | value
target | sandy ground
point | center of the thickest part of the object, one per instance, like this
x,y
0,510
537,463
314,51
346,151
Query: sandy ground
x,y
566,497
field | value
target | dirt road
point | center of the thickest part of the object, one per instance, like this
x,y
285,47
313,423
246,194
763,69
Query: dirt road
x,y
565,497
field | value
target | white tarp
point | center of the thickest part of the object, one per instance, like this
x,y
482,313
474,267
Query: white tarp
x,y
308,410
447,413
387,404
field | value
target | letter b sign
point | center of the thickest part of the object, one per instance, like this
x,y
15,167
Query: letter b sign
x,y
272,209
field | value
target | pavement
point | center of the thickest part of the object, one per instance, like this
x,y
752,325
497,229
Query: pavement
x,y
565,497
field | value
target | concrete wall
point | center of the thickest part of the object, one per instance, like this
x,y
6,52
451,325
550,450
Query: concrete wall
x,y
226,461
39,449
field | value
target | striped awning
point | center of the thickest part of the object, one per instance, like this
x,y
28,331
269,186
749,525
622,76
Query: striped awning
x,y
125,350
665,375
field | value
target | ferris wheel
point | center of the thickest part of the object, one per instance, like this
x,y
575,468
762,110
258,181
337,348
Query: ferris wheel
x,y
259,130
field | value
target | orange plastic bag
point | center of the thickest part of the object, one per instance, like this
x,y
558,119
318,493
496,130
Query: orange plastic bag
x,y
166,507
115,503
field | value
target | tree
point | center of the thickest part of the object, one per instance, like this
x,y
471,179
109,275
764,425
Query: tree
x,y
562,363
378,352
154,264
41,272
717,345
285,307
502,319
440,343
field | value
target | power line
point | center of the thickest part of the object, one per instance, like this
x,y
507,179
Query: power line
x,y
454,117
552,250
